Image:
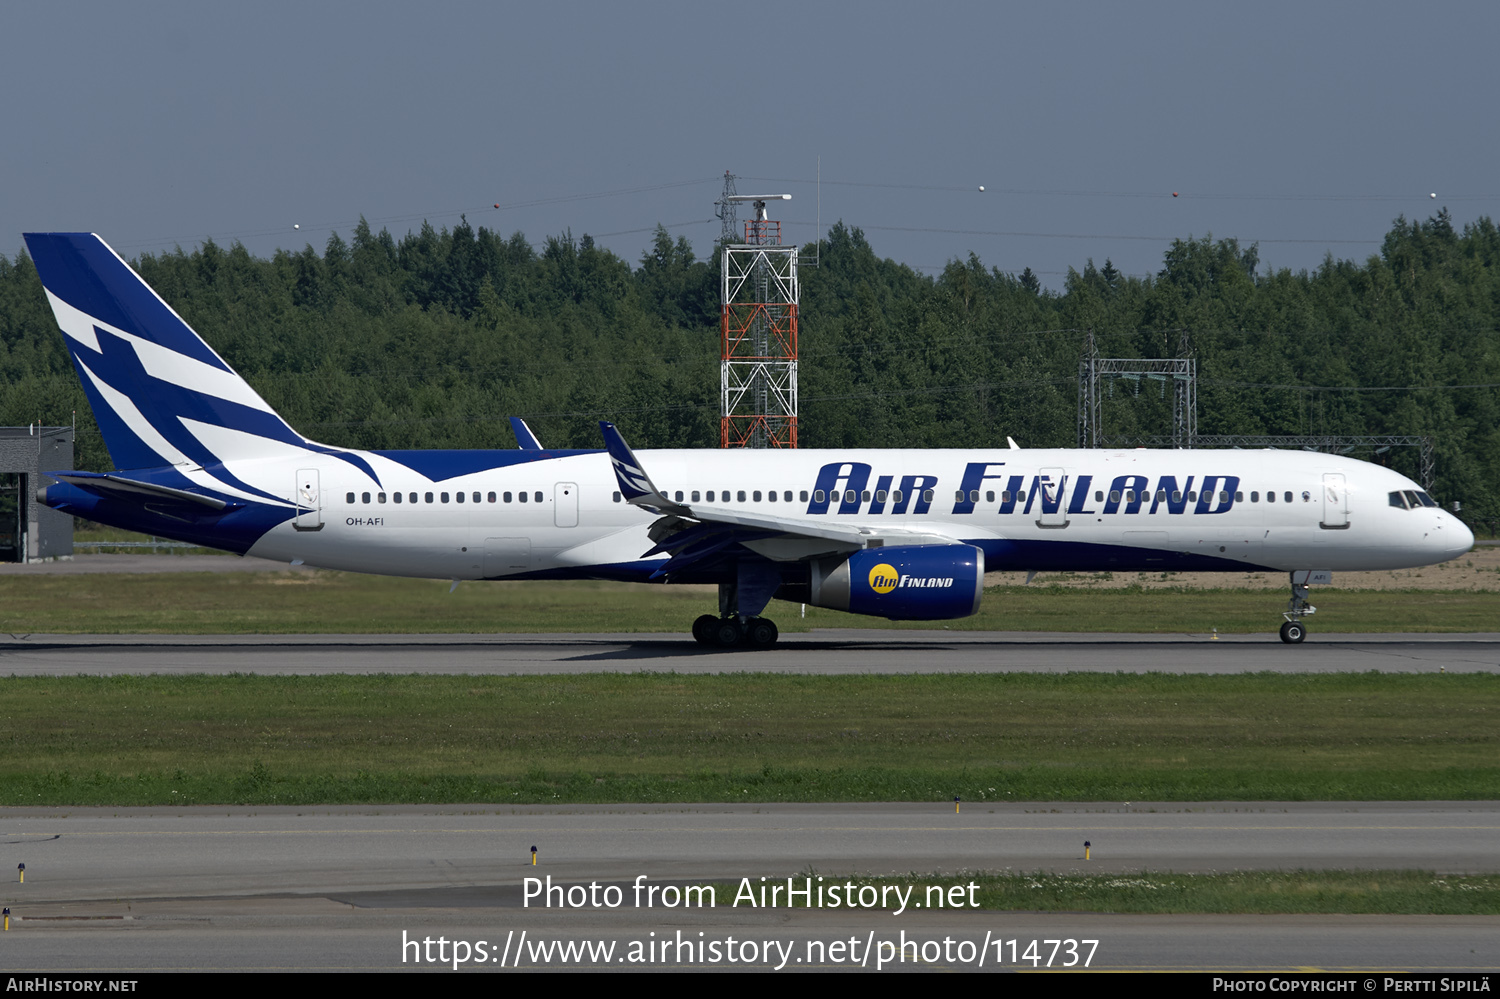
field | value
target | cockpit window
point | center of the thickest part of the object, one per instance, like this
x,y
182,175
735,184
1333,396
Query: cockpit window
x,y
1398,500
1426,500
1411,498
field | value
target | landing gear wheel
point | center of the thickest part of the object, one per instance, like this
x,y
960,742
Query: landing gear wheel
x,y
703,629
761,633
726,632
1292,632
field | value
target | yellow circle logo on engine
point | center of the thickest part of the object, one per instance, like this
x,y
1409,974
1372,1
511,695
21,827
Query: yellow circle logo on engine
x,y
883,578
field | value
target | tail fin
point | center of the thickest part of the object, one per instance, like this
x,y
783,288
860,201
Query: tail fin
x,y
160,394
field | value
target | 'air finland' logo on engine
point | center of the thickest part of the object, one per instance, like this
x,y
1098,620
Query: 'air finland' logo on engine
x,y
883,578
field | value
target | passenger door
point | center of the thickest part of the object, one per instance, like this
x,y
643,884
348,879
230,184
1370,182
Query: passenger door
x,y
565,504
1335,502
1052,502
309,499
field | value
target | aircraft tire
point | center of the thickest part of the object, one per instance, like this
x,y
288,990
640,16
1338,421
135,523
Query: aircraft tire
x,y
1292,632
703,629
761,633
726,633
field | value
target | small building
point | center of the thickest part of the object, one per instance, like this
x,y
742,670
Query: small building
x,y
29,531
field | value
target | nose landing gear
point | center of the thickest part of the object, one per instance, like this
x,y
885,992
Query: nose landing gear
x,y
1293,631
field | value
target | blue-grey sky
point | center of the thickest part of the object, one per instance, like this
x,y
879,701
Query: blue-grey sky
x,y
1305,126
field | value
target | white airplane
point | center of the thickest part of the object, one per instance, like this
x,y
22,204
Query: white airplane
x,y
901,534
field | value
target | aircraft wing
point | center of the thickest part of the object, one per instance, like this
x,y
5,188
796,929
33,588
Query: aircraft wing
x,y
524,437
693,532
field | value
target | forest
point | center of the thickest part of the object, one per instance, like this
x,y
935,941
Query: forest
x,y
434,339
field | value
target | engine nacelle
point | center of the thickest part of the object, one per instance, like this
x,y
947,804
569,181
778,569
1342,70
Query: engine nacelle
x,y
917,583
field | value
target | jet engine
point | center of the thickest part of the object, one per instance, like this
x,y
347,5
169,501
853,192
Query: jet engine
x,y
915,583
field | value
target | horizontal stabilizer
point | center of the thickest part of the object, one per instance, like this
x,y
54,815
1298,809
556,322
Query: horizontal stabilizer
x,y
134,489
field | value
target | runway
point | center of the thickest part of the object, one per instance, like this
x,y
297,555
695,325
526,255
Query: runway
x,y
335,888
829,651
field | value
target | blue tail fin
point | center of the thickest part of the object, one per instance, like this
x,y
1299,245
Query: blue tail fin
x,y
160,394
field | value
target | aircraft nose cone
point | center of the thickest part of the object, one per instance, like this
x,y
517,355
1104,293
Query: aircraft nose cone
x,y
1461,539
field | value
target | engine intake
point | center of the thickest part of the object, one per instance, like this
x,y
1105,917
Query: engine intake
x,y
917,583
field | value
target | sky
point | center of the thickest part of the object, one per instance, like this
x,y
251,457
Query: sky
x,y
1098,130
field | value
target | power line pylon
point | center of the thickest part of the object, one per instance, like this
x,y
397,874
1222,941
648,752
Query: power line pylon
x,y
758,331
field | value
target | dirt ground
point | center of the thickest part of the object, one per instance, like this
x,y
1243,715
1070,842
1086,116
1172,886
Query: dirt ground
x,y
1478,570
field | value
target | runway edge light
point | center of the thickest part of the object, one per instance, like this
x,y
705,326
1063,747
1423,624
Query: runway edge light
x,y
1086,847
533,856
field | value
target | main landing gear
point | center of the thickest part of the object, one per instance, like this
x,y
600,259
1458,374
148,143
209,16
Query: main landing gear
x,y
1297,608
732,633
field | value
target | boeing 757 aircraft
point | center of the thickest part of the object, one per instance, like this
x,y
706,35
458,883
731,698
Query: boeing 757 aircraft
x,y
901,534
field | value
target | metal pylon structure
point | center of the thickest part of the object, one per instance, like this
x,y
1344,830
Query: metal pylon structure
x,y
758,332
1181,371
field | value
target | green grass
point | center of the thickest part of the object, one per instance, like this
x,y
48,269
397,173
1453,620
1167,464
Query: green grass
x,y
1258,892
747,737
350,603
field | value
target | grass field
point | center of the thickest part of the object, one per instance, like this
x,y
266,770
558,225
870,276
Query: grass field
x,y
350,603
747,737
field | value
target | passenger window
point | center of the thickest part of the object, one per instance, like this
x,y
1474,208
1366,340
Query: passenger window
x,y
505,497
349,499
1254,496
881,495
1239,497
787,496
771,495
757,495
928,496
396,497
989,496
1130,496
804,496
429,497
459,497
1287,496
617,495
476,497
1270,497
521,496
1161,496
364,498
1177,496
848,495
444,497
679,495
1114,495
865,496
1020,496
973,495
1098,496
695,495
491,497
1192,496
818,495
411,497
1223,496
537,496
380,497
742,496
958,496
1005,495
896,496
